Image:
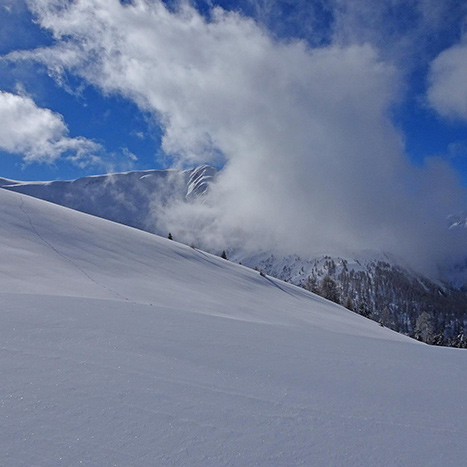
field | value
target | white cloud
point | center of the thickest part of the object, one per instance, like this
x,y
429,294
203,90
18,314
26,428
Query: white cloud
x,y
407,32
412,34
313,162
447,92
38,134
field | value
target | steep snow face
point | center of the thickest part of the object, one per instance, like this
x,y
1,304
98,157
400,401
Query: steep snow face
x,y
128,198
199,180
123,348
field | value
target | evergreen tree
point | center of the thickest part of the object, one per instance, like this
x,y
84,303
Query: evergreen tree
x,y
223,255
349,303
311,285
329,289
438,338
386,318
424,328
363,310
170,236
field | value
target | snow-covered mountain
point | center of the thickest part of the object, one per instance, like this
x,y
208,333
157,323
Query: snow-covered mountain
x,y
371,283
123,348
129,198
377,287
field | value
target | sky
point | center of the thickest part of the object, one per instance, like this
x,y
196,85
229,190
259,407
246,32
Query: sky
x,y
354,113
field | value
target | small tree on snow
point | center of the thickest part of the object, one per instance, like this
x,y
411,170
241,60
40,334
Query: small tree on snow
x,y
223,255
170,237
349,303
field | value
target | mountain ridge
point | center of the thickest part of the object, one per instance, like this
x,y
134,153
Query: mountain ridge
x,y
373,284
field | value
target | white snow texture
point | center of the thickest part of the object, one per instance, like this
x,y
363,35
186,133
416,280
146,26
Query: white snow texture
x,y
121,348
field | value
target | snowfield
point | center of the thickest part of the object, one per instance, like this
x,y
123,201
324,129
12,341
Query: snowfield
x,y
121,348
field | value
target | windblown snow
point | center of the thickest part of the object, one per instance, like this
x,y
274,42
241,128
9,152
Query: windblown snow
x,y
122,348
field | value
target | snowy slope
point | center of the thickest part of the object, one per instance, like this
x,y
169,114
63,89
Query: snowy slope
x,y
384,287
123,348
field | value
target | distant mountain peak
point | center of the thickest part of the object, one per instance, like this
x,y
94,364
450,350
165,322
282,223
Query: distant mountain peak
x,y
129,198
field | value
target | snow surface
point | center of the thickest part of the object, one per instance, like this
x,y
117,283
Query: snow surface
x,y
121,348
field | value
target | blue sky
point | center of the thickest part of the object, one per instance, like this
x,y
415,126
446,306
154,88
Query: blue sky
x,y
346,120
129,135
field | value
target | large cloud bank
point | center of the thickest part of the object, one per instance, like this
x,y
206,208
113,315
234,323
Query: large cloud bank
x,y
312,160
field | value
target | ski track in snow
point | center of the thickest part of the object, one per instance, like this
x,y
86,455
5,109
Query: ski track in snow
x,y
81,270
